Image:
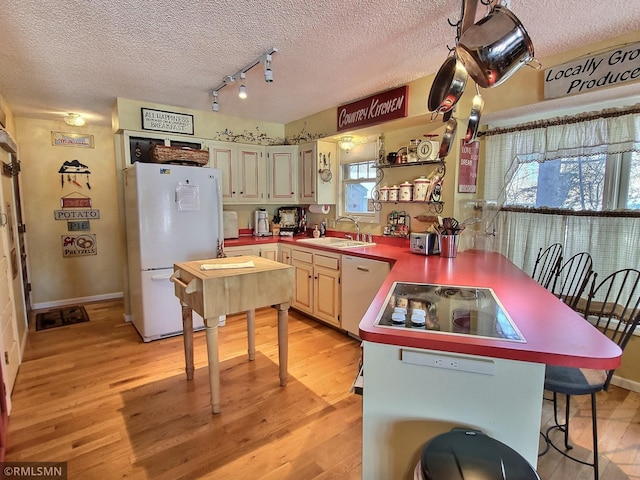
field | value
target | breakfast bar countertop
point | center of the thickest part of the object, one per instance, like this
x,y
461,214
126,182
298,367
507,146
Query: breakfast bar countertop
x,y
554,333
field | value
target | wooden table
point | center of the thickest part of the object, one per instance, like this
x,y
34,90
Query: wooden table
x,y
229,288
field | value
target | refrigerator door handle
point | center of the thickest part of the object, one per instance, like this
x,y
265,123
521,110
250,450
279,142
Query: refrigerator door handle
x,y
162,277
220,226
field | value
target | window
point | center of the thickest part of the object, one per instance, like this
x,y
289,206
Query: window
x,y
598,182
358,180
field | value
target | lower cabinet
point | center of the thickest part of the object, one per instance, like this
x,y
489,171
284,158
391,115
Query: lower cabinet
x,y
267,250
317,284
285,254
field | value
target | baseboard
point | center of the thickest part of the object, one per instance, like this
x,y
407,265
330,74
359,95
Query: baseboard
x,y
73,301
624,383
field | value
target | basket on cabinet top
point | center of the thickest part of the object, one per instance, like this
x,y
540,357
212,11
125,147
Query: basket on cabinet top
x,y
182,155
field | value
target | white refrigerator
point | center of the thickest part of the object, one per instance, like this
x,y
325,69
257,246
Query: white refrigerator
x,y
173,214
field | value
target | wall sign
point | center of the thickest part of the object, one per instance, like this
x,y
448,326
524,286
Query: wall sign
x,y
468,171
378,108
76,214
78,226
60,139
615,67
161,121
79,245
70,201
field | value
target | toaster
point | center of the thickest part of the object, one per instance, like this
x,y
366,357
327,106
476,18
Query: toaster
x,y
424,243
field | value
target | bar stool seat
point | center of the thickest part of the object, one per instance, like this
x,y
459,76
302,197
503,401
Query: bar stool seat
x,y
463,453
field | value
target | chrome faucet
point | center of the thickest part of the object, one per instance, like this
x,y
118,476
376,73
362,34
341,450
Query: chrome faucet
x,y
345,217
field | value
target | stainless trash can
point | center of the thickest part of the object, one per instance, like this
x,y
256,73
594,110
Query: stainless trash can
x,y
463,453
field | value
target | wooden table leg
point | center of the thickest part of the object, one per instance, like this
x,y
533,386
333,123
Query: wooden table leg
x,y
283,344
187,327
251,334
211,328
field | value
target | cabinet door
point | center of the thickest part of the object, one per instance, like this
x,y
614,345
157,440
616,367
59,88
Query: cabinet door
x,y
270,252
307,176
303,296
282,174
285,255
252,178
326,301
222,158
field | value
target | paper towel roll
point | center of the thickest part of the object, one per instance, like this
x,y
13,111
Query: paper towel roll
x,y
324,209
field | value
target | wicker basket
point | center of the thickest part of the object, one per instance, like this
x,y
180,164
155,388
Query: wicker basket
x,y
162,154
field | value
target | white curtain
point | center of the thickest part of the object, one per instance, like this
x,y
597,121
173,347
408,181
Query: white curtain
x,y
612,241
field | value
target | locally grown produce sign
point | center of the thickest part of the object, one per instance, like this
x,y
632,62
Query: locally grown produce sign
x,y
614,67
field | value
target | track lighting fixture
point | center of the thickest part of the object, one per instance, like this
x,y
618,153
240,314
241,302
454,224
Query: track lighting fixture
x,y
242,89
265,59
214,104
268,73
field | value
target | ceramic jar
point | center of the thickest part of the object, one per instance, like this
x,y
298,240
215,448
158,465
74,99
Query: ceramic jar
x,y
406,192
420,189
394,193
384,194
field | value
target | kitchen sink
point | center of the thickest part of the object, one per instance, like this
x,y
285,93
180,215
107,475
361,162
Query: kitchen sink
x,y
336,242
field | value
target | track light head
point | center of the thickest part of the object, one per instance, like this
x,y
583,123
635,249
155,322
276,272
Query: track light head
x,y
268,73
214,104
242,89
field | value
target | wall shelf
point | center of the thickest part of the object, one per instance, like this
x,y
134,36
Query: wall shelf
x,y
440,170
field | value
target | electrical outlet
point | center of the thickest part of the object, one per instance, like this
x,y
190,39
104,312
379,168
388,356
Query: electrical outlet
x,y
449,362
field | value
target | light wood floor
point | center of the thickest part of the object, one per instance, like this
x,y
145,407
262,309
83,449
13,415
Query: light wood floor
x,y
94,395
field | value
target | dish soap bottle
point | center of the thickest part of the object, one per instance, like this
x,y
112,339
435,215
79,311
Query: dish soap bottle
x,y
323,228
316,232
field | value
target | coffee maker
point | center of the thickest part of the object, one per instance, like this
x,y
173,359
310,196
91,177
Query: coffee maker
x,y
261,223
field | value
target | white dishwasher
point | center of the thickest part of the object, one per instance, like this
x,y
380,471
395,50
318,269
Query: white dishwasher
x,y
361,280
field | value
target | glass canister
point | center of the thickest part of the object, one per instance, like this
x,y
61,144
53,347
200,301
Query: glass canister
x,y
394,193
405,193
420,189
384,194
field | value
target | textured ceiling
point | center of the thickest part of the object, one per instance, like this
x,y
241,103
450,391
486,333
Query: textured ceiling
x,y
60,56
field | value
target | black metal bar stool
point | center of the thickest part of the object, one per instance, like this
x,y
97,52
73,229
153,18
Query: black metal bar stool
x,y
463,453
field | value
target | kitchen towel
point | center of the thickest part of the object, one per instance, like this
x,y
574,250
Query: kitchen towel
x,y
222,266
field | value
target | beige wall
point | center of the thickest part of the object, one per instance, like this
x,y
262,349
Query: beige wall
x,y
54,278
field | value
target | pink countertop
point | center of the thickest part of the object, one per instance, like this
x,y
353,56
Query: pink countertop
x,y
554,333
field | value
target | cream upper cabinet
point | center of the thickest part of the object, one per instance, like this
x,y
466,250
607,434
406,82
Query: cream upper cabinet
x,y
243,171
282,174
318,176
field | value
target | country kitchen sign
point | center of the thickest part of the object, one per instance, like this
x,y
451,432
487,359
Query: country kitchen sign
x,y
614,67
382,107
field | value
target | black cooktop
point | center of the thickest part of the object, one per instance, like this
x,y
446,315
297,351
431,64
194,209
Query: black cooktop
x,y
451,309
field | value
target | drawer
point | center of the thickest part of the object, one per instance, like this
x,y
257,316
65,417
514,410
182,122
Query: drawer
x,y
328,262
302,256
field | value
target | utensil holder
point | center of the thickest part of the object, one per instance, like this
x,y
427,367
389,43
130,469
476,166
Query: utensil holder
x,y
448,245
